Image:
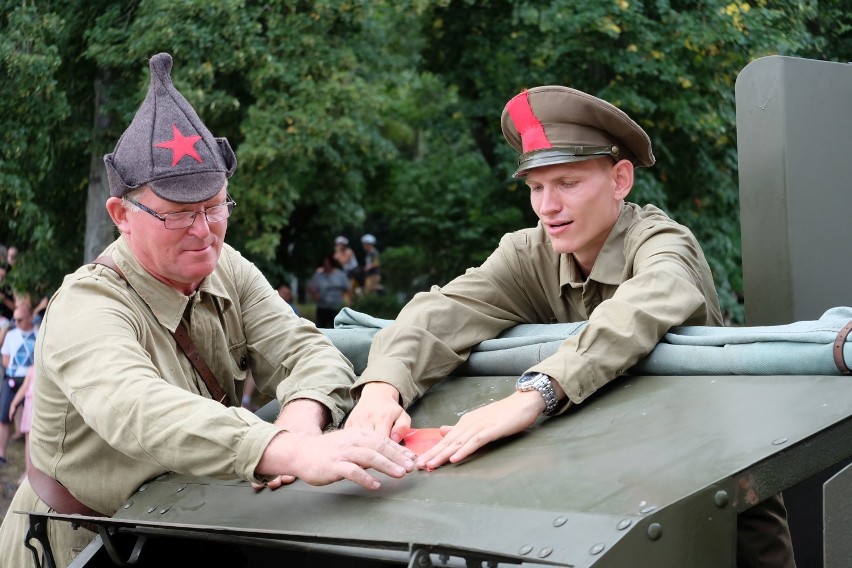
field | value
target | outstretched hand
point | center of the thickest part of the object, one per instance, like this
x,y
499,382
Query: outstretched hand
x,y
481,426
342,454
378,409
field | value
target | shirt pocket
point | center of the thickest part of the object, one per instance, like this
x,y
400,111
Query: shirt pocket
x,y
239,363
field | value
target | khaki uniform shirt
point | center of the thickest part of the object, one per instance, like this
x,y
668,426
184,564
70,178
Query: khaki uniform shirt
x,y
117,402
650,275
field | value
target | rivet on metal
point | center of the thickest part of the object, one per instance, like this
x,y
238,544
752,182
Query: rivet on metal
x,y
779,441
128,504
655,531
560,521
721,498
646,510
164,509
545,552
151,509
597,549
526,549
143,488
623,524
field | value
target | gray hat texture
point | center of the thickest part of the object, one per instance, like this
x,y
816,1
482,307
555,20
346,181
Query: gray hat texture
x,y
169,147
554,125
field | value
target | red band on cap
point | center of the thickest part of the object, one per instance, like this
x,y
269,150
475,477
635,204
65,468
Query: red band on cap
x,y
529,127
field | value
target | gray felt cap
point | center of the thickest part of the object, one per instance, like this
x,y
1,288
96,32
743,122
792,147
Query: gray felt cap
x,y
168,147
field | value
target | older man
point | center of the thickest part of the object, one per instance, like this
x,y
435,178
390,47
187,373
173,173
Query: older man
x,y
631,271
121,396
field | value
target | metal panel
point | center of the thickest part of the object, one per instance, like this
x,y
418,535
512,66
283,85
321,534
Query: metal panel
x,y
793,125
837,504
649,472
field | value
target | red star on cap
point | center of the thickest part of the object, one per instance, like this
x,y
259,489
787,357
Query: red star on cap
x,y
181,146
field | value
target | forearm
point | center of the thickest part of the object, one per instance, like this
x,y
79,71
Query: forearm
x,y
304,415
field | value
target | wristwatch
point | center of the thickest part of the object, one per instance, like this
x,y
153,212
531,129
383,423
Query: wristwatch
x,y
542,383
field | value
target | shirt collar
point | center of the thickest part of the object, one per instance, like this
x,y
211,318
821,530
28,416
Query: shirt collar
x,y
609,265
166,303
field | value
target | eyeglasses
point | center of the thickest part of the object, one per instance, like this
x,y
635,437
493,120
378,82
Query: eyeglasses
x,y
184,219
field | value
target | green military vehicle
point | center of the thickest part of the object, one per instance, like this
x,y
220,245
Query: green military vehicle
x,y
651,471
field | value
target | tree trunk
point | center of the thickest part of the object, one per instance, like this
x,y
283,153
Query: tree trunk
x,y
99,228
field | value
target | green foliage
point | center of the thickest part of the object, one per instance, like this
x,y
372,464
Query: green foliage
x,y
354,116
32,103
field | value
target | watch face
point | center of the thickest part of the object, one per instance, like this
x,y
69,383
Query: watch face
x,y
526,381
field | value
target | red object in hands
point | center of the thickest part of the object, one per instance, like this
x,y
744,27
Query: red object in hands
x,y
419,440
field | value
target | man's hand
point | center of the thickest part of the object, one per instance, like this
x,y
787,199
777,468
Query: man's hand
x,y
379,409
483,425
342,454
304,416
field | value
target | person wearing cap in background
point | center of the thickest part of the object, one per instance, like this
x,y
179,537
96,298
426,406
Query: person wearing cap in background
x,y
630,271
345,257
118,402
372,264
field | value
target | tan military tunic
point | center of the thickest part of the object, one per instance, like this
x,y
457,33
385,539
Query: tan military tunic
x,y
117,402
650,275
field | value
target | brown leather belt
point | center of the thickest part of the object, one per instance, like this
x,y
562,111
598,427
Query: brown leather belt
x,y
57,496
838,350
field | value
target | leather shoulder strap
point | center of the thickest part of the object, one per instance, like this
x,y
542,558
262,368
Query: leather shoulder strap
x,y
182,338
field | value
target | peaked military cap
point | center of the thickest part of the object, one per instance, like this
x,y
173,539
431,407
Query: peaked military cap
x,y
553,125
169,147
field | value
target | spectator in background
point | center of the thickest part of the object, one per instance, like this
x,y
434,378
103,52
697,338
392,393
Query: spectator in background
x,y
345,257
372,270
329,287
17,350
11,255
286,294
7,302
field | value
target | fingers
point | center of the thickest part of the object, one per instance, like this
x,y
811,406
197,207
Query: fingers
x,y
274,483
378,409
481,426
401,426
456,445
345,454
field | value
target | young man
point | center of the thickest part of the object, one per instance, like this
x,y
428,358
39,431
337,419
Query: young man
x,y
631,271
117,402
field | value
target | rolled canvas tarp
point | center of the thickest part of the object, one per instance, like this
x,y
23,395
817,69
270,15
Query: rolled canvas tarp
x,y
799,348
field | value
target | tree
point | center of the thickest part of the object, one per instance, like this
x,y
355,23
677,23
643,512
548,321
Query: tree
x,y
378,116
